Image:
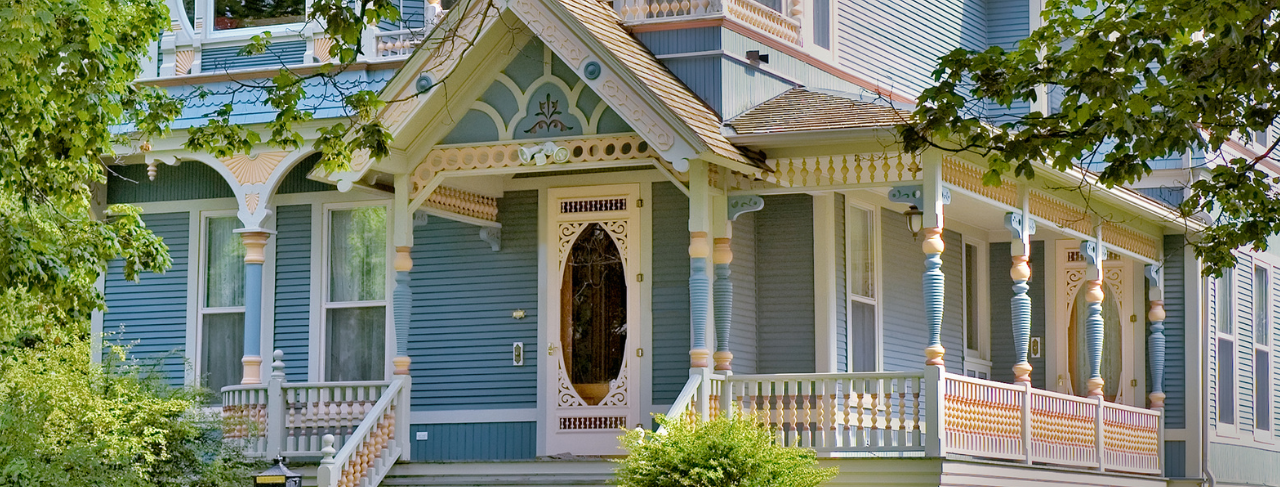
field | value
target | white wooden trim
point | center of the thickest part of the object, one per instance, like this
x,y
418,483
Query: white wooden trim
x,y
644,392
544,338
824,283
522,415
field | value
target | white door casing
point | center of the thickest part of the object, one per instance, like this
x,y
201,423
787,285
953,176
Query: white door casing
x,y
573,425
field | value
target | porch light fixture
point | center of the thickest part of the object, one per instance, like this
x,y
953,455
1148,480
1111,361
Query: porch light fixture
x,y
278,476
915,220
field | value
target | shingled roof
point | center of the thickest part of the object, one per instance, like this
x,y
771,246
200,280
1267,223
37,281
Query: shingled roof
x,y
801,109
603,22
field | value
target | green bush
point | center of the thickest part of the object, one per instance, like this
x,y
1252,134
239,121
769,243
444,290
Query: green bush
x,y
726,451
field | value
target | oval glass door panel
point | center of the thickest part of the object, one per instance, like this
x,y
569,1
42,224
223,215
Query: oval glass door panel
x,y
593,314
1111,356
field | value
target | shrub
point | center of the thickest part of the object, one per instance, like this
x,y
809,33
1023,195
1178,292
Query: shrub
x,y
729,450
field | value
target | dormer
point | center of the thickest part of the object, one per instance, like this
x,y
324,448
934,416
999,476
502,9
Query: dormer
x,y
206,36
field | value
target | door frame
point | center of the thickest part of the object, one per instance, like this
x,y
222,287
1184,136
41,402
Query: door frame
x,y
1130,286
639,270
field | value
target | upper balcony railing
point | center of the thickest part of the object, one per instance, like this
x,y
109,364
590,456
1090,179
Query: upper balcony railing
x,y
852,414
748,12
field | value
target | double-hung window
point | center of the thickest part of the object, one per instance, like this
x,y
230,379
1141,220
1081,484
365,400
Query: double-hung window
x,y
221,305
355,305
1226,349
861,284
1261,349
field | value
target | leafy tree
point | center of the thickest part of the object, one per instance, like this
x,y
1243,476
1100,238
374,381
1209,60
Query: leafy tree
x,y
69,67
1139,81
726,451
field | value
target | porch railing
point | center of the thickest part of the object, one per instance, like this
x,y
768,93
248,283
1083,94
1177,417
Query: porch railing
x,y
933,413
749,12
293,419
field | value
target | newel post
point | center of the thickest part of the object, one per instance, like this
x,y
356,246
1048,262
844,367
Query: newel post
x,y
325,475
275,406
935,411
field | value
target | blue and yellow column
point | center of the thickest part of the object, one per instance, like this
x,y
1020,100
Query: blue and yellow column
x,y
1021,226
933,197
1094,254
1156,340
254,257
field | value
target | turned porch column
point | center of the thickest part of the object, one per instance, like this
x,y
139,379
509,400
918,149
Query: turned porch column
x,y
1094,254
254,256
1020,304
699,251
927,201
934,281
402,295
1155,341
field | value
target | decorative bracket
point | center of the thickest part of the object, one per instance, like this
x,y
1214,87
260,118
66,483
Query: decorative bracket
x,y
1093,252
1154,274
1013,221
914,195
152,164
744,204
493,236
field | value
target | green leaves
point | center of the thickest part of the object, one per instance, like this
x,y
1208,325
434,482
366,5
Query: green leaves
x,y
732,451
1137,83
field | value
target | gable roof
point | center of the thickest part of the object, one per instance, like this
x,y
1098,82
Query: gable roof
x,y
604,24
802,109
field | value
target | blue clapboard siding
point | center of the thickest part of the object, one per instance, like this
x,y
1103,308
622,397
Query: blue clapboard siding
x,y
842,293
784,285
1008,21
896,43
296,181
742,338
293,288
1002,356
953,304
1169,196
670,292
703,75
1175,332
462,331
190,180
151,314
220,59
905,331
474,441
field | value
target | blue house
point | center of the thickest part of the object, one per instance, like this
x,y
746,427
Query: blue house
x,y
602,211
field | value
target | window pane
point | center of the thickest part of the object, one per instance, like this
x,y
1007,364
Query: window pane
x,y
1262,377
862,336
971,297
358,254
1226,381
1226,288
356,340
233,14
861,254
1261,323
224,267
222,346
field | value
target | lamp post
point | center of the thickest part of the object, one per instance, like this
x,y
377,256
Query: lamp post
x,y
278,476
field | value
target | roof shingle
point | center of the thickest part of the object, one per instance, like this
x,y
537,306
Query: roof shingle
x,y
800,109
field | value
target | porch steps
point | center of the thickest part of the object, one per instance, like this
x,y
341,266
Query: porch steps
x,y
505,474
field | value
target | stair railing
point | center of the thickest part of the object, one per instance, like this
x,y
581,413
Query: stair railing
x,y
375,446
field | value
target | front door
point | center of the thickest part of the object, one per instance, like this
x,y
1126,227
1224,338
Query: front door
x,y
1118,363
592,316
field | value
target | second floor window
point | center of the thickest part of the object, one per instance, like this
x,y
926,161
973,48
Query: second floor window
x,y
235,14
1226,350
1262,348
